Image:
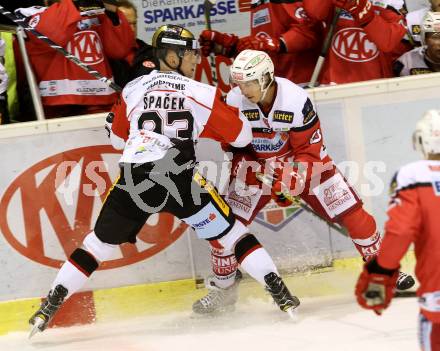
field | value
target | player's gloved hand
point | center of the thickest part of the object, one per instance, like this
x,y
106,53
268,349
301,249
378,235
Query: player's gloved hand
x,y
286,189
89,7
109,123
375,286
218,43
245,167
361,10
259,42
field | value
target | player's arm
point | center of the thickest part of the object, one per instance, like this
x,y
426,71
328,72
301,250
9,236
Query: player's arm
x,y
319,10
403,225
376,284
227,125
303,32
305,135
117,36
62,16
387,31
117,125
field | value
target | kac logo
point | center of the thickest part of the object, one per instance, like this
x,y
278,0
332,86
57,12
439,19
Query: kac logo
x,y
45,223
87,47
352,44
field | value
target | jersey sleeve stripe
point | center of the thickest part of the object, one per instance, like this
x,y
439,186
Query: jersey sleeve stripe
x,y
307,126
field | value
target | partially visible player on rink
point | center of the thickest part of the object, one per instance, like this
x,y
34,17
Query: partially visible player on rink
x,y
413,217
424,59
367,39
157,122
283,30
415,18
286,131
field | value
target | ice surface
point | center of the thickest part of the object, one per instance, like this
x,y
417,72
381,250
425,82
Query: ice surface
x,y
325,324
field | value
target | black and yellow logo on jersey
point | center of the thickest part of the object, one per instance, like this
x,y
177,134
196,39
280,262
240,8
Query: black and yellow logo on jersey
x,y
252,115
416,71
283,116
415,29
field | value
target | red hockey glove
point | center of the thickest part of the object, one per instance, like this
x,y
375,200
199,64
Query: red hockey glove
x,y
361,10
287,185
375,286
218,43
260,42
244,167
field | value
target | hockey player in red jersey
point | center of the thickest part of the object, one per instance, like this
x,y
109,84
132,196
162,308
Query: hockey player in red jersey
x,y
159,118
366,41
412,218
93,35
283,30
288,145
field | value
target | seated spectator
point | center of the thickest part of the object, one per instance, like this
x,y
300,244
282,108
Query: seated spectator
x,y
414,21
91,30
367,39
424,59
4,116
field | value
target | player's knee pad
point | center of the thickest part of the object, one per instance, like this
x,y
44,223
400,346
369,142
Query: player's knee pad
x,y
362,229
100,250
229,240
246,246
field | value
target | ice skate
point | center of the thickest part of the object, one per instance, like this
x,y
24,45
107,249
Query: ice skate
x,y
404,282
218,299
281,295
40,320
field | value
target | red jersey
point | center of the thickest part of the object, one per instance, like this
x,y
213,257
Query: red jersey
x,y
413,218
360,53
91,39
300,34
290,129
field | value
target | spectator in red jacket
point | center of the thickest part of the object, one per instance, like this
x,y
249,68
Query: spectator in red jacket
x,y
283,30
367,38
91,30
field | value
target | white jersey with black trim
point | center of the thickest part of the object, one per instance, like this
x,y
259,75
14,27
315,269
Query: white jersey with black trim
x,y
292,123
414,21
412,63
160,106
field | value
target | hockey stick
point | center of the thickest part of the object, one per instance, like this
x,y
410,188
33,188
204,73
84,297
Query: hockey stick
x,y
324,49
268,180
22,22
207,6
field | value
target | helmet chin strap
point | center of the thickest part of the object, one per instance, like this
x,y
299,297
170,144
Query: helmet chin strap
x,y
265,90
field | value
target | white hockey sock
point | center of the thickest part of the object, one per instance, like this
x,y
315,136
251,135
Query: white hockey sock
x,y
257,264
70,277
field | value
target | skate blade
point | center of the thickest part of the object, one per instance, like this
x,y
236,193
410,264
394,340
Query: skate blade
x,y
35,328
293,313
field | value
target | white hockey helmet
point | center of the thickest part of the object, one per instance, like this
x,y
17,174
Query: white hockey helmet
x,y
430,24
426,137
253,65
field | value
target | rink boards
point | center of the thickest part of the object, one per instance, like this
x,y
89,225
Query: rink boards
x,y
58,171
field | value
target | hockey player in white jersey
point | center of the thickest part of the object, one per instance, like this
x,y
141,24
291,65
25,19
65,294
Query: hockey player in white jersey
x,y
424,59
156,122
414,20
288,146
